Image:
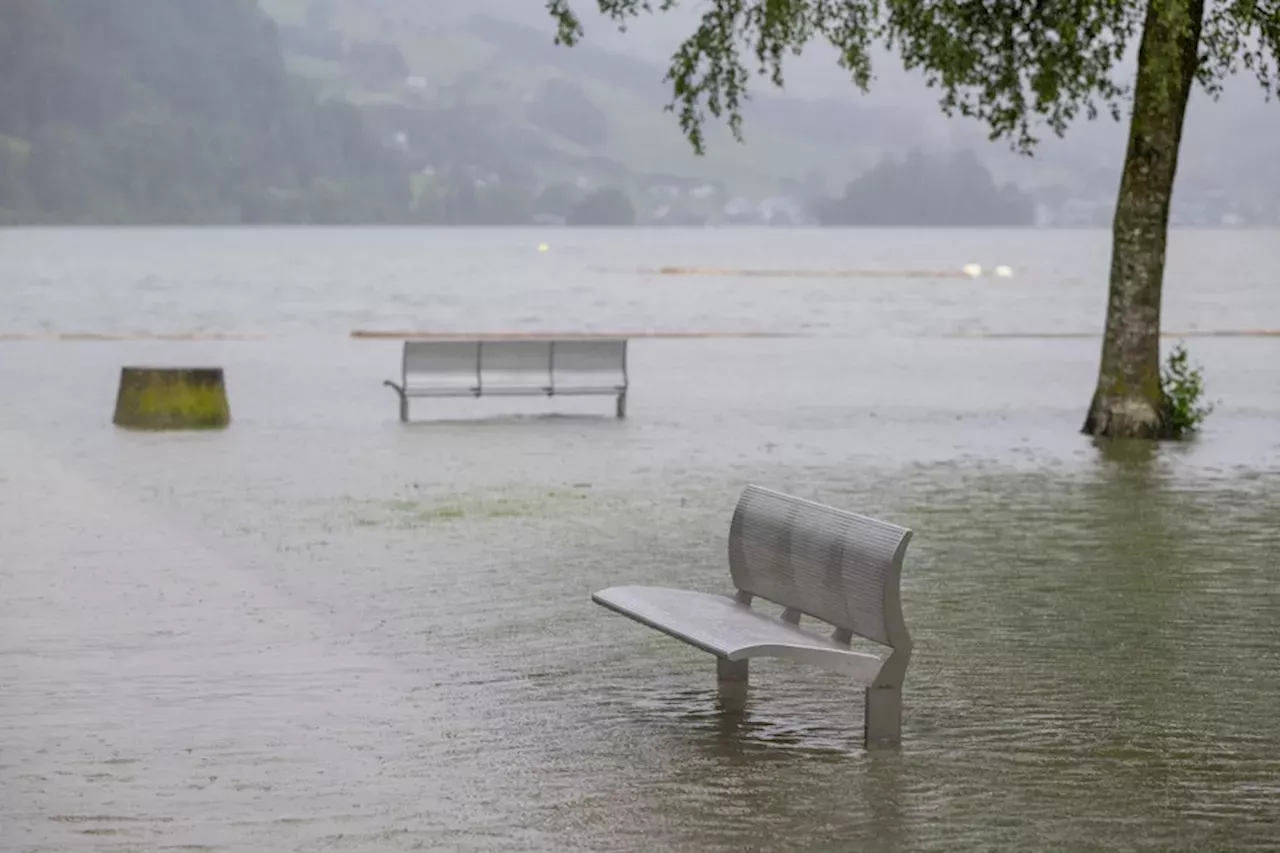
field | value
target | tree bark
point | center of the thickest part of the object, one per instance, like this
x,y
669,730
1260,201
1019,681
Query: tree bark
x,y
1129,401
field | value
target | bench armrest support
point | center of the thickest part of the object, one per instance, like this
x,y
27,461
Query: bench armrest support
x,y
404,399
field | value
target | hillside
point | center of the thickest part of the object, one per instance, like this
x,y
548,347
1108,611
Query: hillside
x,y
208,111
493,62
452,112
173,111
496,60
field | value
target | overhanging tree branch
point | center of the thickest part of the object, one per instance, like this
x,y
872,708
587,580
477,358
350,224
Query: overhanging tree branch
x,y
1015,65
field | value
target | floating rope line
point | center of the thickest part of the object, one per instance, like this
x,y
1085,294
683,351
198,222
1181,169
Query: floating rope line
x,y
846,273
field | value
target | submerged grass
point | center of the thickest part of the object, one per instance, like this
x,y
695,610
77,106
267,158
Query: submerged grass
x,y
508,503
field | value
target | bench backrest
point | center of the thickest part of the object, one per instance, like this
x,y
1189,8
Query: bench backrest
x,y
836,566
516,364
442,363
596,363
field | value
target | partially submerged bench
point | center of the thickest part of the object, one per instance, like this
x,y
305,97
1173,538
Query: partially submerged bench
x,y
813,560
532,367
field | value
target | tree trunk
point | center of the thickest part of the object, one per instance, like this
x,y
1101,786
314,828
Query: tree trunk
x,y
1129,402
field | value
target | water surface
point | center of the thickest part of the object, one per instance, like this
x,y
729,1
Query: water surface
x,y
322,629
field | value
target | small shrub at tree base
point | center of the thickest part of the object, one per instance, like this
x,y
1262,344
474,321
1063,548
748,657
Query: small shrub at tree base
x,y
1183,387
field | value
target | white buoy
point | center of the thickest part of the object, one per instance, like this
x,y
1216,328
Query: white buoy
x,y
1004,272
972,270
543,247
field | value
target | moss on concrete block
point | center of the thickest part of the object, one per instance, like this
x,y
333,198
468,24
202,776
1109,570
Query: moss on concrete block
x,y
172,398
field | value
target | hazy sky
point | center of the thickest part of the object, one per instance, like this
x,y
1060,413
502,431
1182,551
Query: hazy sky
x,y
1242,119
816,74
1238,133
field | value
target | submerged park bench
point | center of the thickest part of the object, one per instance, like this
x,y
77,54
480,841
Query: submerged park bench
x,y
813,560
475,368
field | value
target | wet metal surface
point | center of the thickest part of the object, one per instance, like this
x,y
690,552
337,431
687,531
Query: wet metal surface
x,y
323,629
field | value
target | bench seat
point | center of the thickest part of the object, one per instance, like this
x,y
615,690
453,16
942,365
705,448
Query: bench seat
x,y
423,389
567,390
729,629
515,389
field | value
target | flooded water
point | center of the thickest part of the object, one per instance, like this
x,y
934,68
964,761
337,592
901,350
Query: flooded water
x,y
324,629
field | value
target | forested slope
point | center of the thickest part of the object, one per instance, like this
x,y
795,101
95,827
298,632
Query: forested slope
x,y
174,111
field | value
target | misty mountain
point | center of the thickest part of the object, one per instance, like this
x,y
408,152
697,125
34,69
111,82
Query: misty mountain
x,y
445,111
174,111
498,54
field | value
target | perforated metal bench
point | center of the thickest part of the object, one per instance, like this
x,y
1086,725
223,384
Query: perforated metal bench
x,y
813,560
479,368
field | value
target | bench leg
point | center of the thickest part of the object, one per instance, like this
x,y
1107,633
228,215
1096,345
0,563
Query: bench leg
x,y
404,408
884,717
622,404
731,678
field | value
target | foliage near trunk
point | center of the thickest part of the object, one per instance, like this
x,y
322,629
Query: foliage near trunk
x,y
1019,66
1015,64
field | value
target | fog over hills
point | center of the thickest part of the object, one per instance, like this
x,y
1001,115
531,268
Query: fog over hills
x,y
820,120
466,112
